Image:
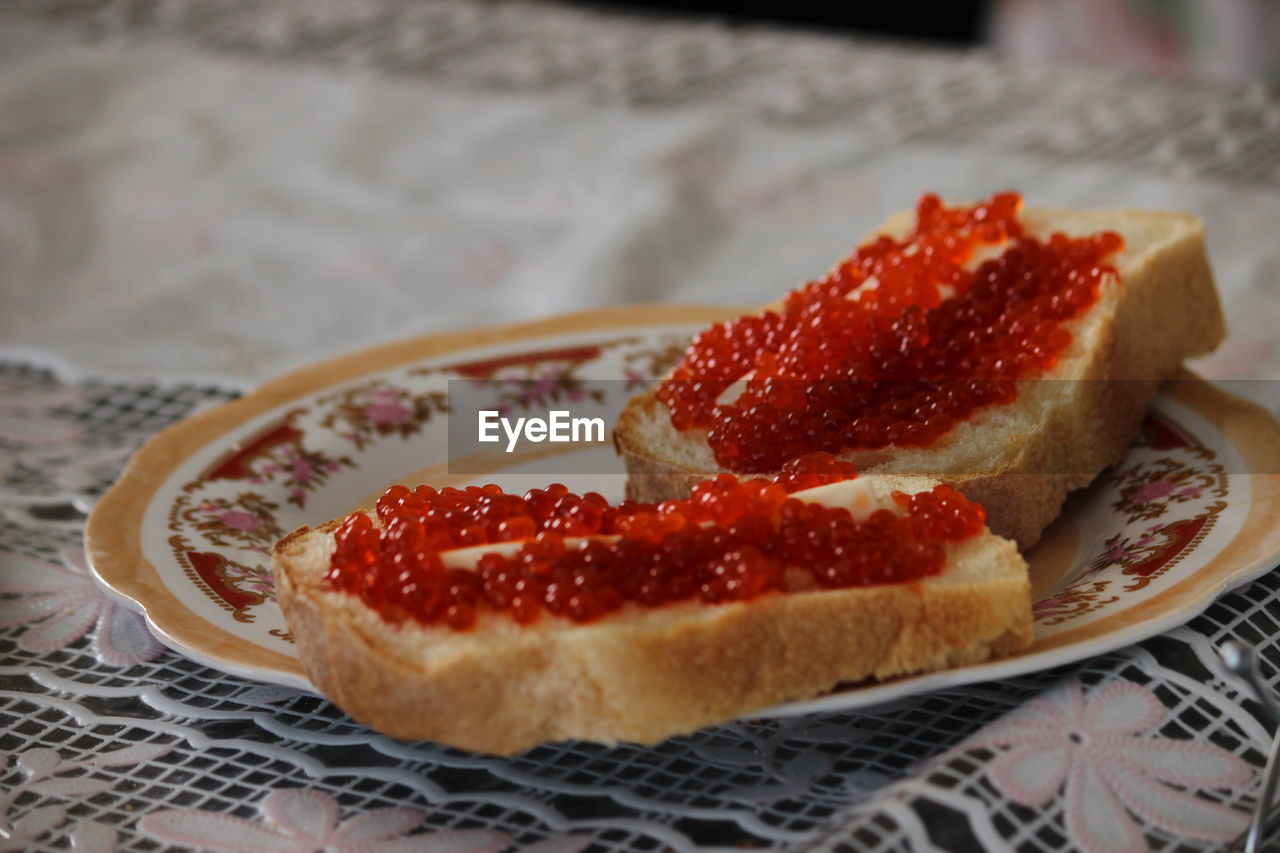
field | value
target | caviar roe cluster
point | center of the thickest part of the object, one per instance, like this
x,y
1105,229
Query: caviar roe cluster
x,y
731,540
896,344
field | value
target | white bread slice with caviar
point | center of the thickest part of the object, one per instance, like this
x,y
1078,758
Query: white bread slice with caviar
x,y
642,674
1022,459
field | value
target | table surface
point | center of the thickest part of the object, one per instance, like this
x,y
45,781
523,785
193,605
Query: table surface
x,y
197,195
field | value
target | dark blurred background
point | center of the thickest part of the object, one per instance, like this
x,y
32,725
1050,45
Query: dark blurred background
x,y
1213,38
956,23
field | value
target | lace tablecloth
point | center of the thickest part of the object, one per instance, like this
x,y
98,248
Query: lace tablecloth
x,y
194,195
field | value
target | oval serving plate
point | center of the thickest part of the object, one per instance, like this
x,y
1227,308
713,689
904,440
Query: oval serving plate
x,y
184,535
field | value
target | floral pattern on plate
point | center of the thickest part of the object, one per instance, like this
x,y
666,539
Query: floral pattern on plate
x,y
226,518
1169,477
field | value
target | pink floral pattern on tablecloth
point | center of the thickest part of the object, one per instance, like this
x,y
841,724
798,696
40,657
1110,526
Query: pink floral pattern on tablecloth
x,y
59,604
1103,754
303,820
28,417
34,433
50,777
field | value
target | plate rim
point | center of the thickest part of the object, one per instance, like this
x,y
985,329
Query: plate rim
x,y
114,548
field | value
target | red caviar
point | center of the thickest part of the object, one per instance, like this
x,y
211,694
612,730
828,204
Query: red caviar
x,y
731,540
895,345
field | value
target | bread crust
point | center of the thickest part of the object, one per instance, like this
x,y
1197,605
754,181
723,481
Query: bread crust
x,y
1166,311
644,675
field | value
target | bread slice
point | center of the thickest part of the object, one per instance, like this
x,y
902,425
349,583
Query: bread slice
x,y
640,674
1020,460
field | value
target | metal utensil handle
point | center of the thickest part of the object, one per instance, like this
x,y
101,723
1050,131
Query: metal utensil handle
x,y
1258,824
1241,661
